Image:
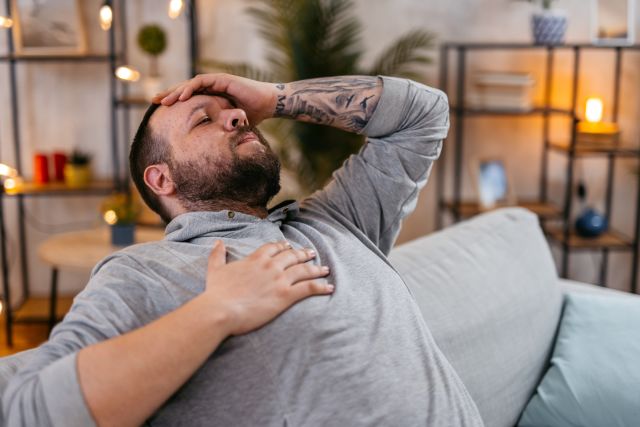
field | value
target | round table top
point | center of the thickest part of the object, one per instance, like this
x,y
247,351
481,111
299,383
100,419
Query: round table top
x,y
84,249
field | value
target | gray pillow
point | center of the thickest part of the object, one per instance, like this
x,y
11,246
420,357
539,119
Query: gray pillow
x,y
489,293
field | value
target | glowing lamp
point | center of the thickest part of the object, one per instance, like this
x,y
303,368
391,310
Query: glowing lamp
x,y
593,126
106,17
6,22
11,181
594,110
127,73
175,8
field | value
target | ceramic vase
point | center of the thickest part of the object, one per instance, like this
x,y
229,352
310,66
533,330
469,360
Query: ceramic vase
x,y
77,176
549,27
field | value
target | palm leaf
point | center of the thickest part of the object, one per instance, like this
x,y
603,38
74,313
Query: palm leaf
x,y
400,58
237,68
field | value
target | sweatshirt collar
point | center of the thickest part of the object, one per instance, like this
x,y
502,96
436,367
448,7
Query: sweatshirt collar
x,y
191,225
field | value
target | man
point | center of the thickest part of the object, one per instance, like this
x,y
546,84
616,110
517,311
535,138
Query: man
x,y
159,336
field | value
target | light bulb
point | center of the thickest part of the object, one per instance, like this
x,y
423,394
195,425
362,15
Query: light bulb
x,y
7,171
127,74
6,22
175,8
110,217
594,110
106,17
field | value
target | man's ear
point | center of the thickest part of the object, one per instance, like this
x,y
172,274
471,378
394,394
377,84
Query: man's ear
x,y
158,178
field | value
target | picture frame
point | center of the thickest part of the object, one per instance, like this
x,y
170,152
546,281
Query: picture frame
x,y
48,27
493,183
613,22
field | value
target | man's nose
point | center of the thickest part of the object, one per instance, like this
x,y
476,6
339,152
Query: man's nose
x,y
233,119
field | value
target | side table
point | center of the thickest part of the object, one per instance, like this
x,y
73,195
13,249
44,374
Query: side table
x,y
81,251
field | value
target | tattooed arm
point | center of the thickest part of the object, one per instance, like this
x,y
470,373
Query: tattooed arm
x,y
346,103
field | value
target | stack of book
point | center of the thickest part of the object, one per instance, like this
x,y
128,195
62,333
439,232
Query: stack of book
x,y
502,91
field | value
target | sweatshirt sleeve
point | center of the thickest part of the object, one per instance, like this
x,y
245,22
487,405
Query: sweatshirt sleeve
x,y
378,187
46,392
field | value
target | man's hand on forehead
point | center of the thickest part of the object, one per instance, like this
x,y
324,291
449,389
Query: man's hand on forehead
x,y
257,99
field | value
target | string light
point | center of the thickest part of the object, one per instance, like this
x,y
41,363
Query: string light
x,y
106,16
6,22
175,8
110,217
127,73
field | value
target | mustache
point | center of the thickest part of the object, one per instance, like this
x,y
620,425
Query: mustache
x,y
241,132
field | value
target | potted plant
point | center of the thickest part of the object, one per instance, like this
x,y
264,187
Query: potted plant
x,y
152,40
549,25
77,170
120,211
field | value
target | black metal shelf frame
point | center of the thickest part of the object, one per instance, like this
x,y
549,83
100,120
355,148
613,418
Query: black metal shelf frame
x,y
572,152
117,54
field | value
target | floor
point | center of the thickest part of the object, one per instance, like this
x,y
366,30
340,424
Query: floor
x,y
29,335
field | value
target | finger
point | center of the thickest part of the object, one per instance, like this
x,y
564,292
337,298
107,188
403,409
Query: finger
x,y
271,249
218,256
289,258
309,288
302,272
172,98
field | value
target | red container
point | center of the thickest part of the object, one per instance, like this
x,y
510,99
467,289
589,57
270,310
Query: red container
x,y
40,169
59,160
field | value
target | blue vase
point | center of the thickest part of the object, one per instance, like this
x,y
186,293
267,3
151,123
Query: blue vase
x,y
122,234
590,223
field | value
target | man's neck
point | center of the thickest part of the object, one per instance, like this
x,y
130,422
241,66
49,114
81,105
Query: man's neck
x,y
222,205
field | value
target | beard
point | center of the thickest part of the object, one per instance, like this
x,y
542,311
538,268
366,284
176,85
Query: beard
x,y
210,183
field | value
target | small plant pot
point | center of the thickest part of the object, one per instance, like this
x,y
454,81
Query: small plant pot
x,y
123,234
549,27
77,176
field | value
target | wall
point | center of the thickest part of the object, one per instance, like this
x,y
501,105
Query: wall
x,y
66,105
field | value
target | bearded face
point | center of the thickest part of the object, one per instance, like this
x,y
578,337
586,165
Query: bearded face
x,y
210,183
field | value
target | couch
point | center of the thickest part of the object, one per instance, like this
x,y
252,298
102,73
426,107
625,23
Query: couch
x,y
489,292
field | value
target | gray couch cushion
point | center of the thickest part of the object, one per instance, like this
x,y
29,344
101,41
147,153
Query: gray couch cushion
x,y
489,293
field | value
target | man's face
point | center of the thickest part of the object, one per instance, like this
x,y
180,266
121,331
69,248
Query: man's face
x,y
216,156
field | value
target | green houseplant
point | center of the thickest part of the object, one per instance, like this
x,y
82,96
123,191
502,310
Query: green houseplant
x,y
77,170
316,38
152,40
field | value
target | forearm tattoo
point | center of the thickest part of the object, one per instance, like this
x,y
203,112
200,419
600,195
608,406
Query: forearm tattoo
x,y
343,102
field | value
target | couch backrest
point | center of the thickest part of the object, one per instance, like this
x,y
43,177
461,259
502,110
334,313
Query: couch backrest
x,y
489,293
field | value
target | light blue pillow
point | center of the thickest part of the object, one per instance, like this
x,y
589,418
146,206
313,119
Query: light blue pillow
x,y
594,377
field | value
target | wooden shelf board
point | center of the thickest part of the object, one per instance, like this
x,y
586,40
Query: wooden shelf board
x,y
586,149
29,188
517,45
611,240
476,111
36,309
542,209
56,58
133,102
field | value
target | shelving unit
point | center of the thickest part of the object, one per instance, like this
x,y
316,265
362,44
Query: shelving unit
x,y
548,210
119,104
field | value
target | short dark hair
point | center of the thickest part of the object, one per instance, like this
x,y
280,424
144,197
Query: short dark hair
x,y
148,149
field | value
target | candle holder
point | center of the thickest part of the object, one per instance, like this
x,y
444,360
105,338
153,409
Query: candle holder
x,y
592,130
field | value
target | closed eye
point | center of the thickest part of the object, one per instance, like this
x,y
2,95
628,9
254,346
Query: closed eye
x,y
204,120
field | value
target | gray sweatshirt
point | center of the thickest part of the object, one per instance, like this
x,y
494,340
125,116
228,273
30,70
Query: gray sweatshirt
x,y
360,357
